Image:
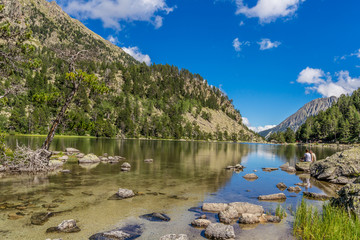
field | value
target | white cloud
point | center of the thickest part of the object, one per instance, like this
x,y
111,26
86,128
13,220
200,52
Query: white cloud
x,y
112,12
112,39
135,53
266,43
268,10
241,23
356,54
256,129
327,88
311,76
238,45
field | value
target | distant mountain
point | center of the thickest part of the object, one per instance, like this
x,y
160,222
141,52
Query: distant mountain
x,y
297,119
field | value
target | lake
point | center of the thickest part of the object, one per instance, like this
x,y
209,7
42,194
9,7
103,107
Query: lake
x,y
182,177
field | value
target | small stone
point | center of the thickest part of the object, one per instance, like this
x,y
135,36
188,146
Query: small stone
x,y
273,197
126,165
203,217
228,215
281,186
219,231
250,176
294,189
89,158
156,217
175,237
149,160
214,207
201,223
270,169
72,150
248,218
40,218
272,219
125,193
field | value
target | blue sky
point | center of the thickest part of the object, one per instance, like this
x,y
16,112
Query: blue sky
x,y
269,56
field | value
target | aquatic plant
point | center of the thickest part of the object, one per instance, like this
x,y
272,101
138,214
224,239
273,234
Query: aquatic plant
x,y
330,224
280,212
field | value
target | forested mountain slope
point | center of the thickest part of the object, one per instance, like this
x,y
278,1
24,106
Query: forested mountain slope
x,y
159,101
341,122
297,119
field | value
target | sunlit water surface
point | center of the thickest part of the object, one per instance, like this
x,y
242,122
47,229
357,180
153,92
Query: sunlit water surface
x,y
183,175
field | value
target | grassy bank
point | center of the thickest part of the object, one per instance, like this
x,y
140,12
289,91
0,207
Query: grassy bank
x,y
332,224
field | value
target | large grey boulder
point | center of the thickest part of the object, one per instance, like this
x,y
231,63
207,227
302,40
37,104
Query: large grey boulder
x,y
89,158
349,198
219,231
342,167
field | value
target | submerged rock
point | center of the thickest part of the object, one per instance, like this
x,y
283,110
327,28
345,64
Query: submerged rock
x,y
156,217
342,167
281,186
349,198
316,196
175,237
270,169
271,218
39,218
219,231
303,166
66,226
89,158
125,233
201,223
273,197
125,167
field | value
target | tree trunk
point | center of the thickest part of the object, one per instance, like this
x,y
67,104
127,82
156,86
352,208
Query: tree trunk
x,y
59,118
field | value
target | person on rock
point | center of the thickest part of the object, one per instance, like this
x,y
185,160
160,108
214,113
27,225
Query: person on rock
x,y
313,156
307,156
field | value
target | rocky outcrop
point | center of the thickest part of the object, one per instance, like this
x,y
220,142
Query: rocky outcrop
x,y
349,198
303,166
273,197
219,231
342,167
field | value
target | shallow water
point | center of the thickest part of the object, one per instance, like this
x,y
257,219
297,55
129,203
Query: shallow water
x,y
183,175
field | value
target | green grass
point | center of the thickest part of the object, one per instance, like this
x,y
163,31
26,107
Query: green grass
x,y
280,212
332,224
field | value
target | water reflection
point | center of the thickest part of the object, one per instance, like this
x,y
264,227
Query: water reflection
x,y
183,175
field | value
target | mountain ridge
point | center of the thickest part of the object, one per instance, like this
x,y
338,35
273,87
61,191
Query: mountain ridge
x,y
294,121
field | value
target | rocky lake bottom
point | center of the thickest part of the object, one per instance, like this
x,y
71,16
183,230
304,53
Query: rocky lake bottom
x,y
182,177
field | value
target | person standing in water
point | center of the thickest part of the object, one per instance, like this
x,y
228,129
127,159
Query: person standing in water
x,y
313,156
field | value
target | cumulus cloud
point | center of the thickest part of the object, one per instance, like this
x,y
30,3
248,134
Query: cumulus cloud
x,y
238,45
136,53
268,10
256,129
266,43
354,54
112,39
112,12
324,84
311,76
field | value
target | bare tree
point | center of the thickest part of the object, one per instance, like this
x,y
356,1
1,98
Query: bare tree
x,y
75,78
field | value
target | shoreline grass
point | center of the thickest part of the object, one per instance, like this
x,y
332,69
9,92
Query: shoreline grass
x,y
332,223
